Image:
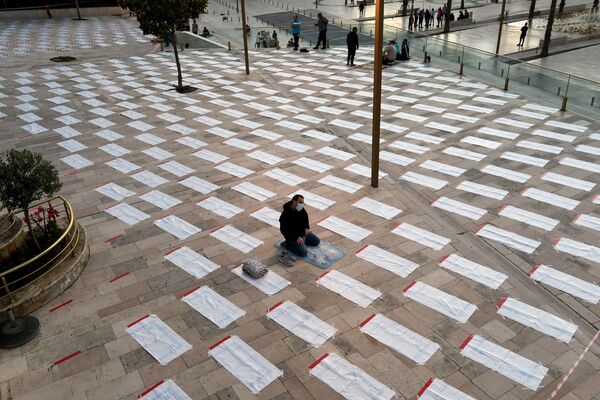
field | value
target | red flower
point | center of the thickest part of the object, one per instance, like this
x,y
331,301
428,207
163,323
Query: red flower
x,y
52,213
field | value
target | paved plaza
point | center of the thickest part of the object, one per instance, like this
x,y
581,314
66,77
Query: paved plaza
x,y
471,271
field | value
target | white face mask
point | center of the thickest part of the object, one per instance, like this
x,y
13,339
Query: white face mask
x,y
300,207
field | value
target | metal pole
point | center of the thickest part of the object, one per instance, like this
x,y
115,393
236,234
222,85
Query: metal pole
x,y
77,6
500,28
245,35
377,93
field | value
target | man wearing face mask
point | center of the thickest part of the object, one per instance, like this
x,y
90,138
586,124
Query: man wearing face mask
x,y
294,226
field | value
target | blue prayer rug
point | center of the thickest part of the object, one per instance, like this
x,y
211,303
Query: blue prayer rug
x,y
322,256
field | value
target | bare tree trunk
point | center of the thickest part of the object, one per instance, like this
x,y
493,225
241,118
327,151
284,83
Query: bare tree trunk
x,y
447,16
548,33
531,11
595,5
176,52
462,4
30,228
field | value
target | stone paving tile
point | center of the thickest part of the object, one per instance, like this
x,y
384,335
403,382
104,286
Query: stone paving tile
x,y
96,320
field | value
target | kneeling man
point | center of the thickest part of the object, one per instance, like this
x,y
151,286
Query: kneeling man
x,y
294,226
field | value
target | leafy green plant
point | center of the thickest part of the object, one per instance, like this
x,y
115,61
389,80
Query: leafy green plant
x,y
26,177
161,18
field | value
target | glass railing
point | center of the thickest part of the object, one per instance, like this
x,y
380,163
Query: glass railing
x,y
546,84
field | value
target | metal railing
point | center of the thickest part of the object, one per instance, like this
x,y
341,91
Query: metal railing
x,y
34,268
13,221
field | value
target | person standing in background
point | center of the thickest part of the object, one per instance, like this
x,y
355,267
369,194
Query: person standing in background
x,y
352,41
48,11
524,30
296,27
322,24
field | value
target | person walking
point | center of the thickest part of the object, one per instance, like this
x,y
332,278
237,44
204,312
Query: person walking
x,y
48,11
361,9
524,30
352,42
411,20
439,16
296,27
421,15
427,16
322,24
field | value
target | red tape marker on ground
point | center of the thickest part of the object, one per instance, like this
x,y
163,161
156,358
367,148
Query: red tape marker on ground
x,y
61,305
575,364
324,356
118,277
62,360
219,342
151,388
425,386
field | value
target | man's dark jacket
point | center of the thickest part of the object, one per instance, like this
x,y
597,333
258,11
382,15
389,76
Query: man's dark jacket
x,y
292,223
352,40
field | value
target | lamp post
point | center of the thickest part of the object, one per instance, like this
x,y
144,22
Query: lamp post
x,y
377,92
77,7
245,37
500,27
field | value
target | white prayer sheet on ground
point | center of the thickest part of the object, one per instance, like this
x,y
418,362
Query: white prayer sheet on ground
x,y
167,390
234,169
512,365
424,180
568,181
236,238
528,217
114,191
160,199
483,190
177,227
348,380
158,339
440,301
220,207
387,260
245,363
301,323
269,284
377,208
537,319
176,168
348,287
213,306
191,262
508,238
457,207
268,216
436,389
126,213
339,183
474,271
578,249
76,161
265,157
550,198
344,228
406,342
285,177
254,191
149,179
567,283
421,236
199,185
506,173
